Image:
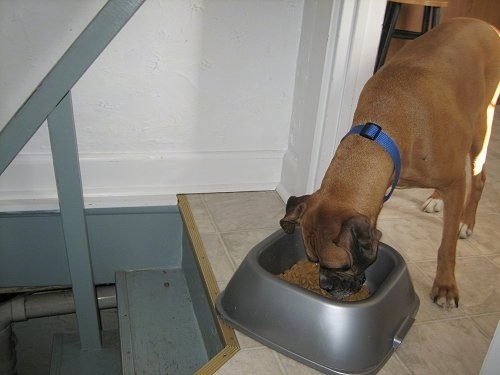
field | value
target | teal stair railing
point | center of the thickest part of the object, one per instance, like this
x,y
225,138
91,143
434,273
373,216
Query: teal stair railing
x,y
51,101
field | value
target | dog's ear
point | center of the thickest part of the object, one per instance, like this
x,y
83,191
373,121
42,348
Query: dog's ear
x,y
295,207
364,236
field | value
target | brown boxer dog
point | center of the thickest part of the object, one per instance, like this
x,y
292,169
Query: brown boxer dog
x,y
428,110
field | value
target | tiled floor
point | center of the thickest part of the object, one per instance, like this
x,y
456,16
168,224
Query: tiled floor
x,y
440,341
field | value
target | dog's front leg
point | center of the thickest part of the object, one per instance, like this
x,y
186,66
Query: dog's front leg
x,y
444,290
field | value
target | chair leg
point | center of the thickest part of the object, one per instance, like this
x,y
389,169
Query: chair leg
x,y
425,19
390,18
436,12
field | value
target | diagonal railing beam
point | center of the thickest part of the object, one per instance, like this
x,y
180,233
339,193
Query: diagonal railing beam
x,y
61,78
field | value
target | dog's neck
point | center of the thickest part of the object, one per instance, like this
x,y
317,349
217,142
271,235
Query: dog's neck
x,y
362,171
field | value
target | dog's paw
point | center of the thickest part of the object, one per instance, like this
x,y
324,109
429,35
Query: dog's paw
x,y
465,231
445,296
432,205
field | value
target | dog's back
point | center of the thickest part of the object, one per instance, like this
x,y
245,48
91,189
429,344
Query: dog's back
x,y
438,87
450,64
455,64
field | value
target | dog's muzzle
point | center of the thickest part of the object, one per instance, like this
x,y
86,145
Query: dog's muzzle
x,y
340,286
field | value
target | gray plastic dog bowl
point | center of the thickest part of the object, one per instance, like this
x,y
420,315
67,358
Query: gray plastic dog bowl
x,y
332,337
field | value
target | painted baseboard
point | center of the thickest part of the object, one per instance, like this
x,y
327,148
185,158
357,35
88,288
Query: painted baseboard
x,y
119,179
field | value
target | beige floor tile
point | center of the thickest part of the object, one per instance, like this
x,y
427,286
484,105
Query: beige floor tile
x,y
393,233
478,281
444,347
247,342
485,236
487,323
386,227
492,166
428,310
405,202
222,285
292,367
240,243
260,361
201,215
244,211
418,238
495,259
221,264
490,199
394,366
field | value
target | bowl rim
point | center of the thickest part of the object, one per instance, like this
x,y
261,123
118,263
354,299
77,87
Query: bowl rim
x,y
397,270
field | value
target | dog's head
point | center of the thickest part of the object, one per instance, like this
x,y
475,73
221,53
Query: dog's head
x,y
340,239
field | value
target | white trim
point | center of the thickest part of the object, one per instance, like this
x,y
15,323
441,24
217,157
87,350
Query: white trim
x,y
309,93
348,61
129,177
354,64
336,65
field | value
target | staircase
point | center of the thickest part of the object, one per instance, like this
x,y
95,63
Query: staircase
x,y
158,327
158,333
166,319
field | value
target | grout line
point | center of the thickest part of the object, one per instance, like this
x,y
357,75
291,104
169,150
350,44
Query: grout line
x,y
209,213
395,354
226,251
280,364
445,318
483,331
488,258
218,233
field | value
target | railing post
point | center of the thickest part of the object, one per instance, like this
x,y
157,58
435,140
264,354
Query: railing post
x,y
69,188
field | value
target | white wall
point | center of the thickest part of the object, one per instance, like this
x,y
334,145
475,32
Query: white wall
x,y
190,96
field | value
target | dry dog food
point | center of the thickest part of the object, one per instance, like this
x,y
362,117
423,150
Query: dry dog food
x,y
306,275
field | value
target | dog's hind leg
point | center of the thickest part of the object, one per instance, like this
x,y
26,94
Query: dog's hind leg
x,y
478,174
474,195
434,203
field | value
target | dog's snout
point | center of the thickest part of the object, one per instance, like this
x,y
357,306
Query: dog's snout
x,y
325,282
330,278
340,285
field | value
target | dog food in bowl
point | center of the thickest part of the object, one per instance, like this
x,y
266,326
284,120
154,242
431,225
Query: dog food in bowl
x,y
306,275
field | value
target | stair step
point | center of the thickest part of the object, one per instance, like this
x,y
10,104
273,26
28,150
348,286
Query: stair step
x,y
158,327
69,359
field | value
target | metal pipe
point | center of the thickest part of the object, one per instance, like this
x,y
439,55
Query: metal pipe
x,y
7,351
38,305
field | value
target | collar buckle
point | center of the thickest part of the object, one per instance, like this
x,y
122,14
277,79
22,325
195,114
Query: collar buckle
x,y
370,131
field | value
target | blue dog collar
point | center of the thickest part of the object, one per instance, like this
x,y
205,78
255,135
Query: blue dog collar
x,y
374,132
